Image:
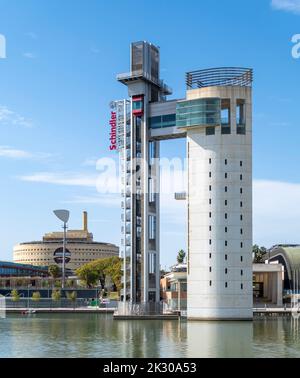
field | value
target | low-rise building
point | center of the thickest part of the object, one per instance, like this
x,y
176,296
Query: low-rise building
x,y
174,288
81,249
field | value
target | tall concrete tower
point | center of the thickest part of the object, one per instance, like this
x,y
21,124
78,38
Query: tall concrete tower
x,y
217,116
216,120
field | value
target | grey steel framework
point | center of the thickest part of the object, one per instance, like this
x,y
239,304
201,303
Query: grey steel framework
x,y
231,76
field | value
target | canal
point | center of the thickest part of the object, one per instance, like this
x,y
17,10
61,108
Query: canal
x,y
98,335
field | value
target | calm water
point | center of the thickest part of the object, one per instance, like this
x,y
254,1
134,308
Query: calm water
x,y
92,335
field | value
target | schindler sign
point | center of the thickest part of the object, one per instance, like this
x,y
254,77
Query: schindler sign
x,y
113,131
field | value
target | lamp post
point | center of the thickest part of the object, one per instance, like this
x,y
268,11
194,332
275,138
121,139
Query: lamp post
x,y
64,216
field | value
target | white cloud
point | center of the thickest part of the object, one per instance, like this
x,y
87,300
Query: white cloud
x,y
29,55
62,178
9,117
107,200
12,153
287,5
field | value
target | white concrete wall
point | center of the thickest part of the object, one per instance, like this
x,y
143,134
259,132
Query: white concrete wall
x,y
218,301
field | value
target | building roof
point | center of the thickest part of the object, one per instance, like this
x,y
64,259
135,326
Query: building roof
x,y
290,254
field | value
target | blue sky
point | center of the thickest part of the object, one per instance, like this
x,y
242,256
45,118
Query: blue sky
x,y
59,77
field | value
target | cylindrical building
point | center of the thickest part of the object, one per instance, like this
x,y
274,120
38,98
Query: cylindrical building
x,y
219,194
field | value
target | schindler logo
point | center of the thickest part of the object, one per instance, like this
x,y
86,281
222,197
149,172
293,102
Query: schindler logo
x,y
113,131
2,47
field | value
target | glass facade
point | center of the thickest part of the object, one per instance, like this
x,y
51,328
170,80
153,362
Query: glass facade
x,y
160,122
10,269
200,112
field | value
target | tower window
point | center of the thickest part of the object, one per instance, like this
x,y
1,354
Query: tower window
x,y
241,204
226,202
242,245
210,188
226,175
210,283
210,255
226,229
209,161
209,228
226,285
226,189
226,271
210,241
209,201
226,257
226,162
241,190
242,287
241,177
226,216
209,174
226,243
241,231
242,272
210,269
241,217
241,163
210,215
242,259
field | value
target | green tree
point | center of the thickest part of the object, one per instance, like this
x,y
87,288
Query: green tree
x,y
36,296
87,274
56,295
101,270
181,256
259,254
15,296
54,271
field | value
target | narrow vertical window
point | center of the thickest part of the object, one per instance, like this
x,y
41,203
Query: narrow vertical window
x,y
226,229
210,283
241,190
226,285
209,161
226,175
226,202
209,174
210,201
210,255
210,215
242,259
241,204
226,257
241,217
210,188
242,287
226,243
241,163
210,242
226,270
210,269
241,231
241,177
226,216
209,228
226,162
242,272
242,245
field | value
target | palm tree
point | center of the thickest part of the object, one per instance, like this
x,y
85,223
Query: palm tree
x,y
181,256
